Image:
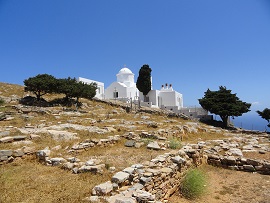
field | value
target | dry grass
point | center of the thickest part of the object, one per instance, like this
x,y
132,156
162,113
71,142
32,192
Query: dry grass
x,y
230,186
119,156
7,89
28,181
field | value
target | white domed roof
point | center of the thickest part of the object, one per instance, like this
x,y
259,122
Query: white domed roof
x,y
125,71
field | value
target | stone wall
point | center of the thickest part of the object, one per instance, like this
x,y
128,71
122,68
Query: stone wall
x,y
10,155
239,163
152,181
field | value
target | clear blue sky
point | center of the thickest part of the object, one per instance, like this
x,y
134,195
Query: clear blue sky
x,y
192,44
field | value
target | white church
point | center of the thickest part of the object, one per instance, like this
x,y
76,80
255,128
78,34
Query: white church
x,y
124,89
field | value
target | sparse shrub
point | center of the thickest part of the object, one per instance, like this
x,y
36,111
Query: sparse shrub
x,y
174,143
146,141
194,184
107,166
1,101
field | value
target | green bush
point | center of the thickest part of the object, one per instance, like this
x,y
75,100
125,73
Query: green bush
x,y
194,184
2,101
174,143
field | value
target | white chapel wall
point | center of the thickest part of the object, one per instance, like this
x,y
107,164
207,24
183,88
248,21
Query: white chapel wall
x,y
100,92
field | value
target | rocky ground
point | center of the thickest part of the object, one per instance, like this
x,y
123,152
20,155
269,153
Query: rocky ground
x,y
232,186
42,148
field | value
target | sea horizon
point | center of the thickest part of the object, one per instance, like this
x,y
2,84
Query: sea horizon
x,y
250,121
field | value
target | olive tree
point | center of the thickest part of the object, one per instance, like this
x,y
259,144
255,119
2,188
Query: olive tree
x,y
41,85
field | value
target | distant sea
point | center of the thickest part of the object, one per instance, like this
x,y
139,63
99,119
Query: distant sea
x,y
249,121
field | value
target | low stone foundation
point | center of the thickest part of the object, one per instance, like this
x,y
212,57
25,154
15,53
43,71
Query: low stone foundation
x,y
240,163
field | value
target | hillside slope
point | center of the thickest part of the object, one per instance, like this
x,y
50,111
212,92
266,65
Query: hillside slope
x,y
104,135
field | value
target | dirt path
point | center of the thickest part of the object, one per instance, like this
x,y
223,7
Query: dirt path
x,y
232,186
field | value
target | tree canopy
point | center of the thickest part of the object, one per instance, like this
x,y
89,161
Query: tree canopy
x,y
144,79
41,85
265,114
224,104
44,83
72,88
82,90
66,86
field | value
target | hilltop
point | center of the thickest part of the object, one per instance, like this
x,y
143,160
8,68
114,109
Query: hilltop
x,y
59,153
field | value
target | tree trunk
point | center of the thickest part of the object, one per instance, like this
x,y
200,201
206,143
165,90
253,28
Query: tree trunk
x,y
37,95
225,121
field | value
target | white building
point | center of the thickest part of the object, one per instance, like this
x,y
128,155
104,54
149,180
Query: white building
x,y
124,88
165,98
100,86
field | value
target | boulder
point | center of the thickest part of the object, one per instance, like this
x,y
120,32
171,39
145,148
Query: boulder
x,y
6,152
4,133
28,150
249,168
145,180
34,137
68,166
143,196
43,154
120,177
73,159
92,169
254,162
92,199
160,158
18,153
129,170
57,161
6,139
130,143
166,170
121,198
125,200
178,160
138,144
153,145
137,186
235,151
248,147
4,158
230,160
137,166
103,189
90,162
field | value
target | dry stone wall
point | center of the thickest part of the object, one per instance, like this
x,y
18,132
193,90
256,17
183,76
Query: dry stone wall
x,y
152,181
239,163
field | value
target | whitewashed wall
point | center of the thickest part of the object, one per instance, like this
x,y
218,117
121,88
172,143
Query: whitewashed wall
x,y
100,93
